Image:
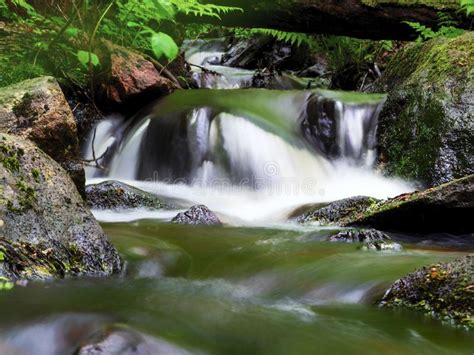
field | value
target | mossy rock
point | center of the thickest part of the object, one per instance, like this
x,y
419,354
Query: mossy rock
x,y
446,208
443,290
117,195
45,229
338,212
426,129
36,109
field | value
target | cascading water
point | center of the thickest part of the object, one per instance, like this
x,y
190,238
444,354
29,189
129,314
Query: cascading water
x,y
253,156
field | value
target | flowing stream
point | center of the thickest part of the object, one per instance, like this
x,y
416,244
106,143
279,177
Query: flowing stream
x,y
260,284
251,155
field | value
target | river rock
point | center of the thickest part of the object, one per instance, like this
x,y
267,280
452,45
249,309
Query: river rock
x,y
371,239
198,214
336,213
130,79
426,128
381,246
444,290
123,340
45,229
446,208
117,195
359,236
36,109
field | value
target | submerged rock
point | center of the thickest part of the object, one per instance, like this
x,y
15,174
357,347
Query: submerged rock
x,y
443,290
82,334
359,236
198,214
339,211
131,79
45,229
426,128
379,245
123,340
117,195
445,208
372,239
36,109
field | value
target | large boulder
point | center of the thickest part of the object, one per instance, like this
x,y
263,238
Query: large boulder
x,y
45,229
445,208
443,290
130,79
36,109
426,129
117,195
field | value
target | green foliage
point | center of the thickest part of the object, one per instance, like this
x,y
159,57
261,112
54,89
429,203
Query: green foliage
x,y
86,58
294,38
447,28
14,69
468,6
345,52
162,44
66,37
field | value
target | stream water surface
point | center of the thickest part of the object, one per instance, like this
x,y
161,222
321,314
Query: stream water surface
x,y
229,290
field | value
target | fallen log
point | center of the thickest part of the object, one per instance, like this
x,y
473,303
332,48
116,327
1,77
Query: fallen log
x,y
372,19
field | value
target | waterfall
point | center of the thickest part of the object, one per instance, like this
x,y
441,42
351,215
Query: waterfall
x,y
251,155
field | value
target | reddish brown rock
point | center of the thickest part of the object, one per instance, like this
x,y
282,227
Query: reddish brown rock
x,y
36,109
131,77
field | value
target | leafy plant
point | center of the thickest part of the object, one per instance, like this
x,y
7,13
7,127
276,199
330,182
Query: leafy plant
x,y
86,58
447,28
294,38
468,6
66,36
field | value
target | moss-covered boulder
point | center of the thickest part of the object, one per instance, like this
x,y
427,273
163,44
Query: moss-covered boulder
x,y
117,195
339,212
36,109
426,129
445,208
45,229
443,290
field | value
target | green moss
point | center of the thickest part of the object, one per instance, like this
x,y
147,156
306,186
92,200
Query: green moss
x,y
30,261
27,195
5,284
424,114
36,175
442,290
415,145
11,164
15,72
